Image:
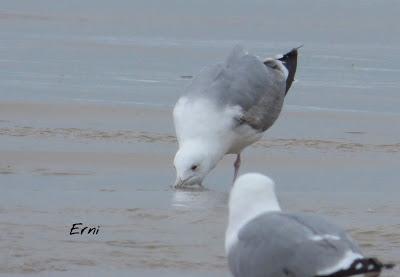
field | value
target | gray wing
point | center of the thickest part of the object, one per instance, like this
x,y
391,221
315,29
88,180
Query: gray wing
x,y
279,244
243,80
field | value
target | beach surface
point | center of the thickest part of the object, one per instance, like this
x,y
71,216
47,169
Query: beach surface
x,y
86,132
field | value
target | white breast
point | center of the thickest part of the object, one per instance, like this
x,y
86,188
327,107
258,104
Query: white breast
x,y
200,118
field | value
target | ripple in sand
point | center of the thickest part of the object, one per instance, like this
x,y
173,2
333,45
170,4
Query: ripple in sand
x,y
107,190
152,245
149,137
6,170
355,132
49,172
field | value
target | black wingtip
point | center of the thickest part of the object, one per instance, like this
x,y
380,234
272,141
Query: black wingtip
x,y
289,60
361,266
388,266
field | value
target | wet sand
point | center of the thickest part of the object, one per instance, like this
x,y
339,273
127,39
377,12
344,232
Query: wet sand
x,y
55,170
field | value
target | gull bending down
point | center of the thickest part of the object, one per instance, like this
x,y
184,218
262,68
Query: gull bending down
x,y
227,107
263,241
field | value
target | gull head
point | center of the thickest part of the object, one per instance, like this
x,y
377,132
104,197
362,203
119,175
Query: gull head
x,y
252,194
192,163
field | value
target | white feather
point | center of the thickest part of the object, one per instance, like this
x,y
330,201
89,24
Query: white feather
x,y
252,194
344,263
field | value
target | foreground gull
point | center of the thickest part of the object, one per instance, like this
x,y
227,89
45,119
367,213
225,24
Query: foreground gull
x,y
262,241
227,107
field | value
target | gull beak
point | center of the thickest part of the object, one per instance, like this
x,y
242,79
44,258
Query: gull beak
x,y
179,183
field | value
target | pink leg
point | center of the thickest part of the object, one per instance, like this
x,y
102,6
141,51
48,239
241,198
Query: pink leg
x,y
236,165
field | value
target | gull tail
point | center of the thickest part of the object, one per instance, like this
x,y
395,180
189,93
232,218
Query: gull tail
x,y
289,60
371,267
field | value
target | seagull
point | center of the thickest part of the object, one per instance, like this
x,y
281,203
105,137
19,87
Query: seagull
x,y
263,241
227,107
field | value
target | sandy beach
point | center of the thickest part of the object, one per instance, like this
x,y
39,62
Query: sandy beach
x,y
56,171
86,132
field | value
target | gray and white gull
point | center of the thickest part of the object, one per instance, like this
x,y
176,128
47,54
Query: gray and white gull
x,y
263,241
227,107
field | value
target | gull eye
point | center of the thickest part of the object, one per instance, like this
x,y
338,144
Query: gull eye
x,y
194,167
